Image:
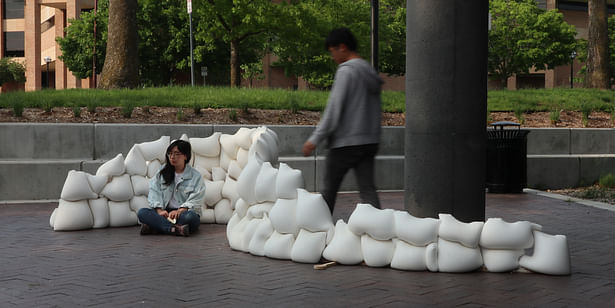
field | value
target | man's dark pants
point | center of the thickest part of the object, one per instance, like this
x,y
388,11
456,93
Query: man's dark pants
x,y
360,158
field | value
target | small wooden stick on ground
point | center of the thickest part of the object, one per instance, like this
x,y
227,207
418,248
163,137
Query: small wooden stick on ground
x,y
324,265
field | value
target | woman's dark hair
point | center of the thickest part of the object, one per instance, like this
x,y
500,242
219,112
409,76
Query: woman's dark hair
x,y
168,171
341,36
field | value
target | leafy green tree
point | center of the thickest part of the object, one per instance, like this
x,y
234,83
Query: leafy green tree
x,y
11,71
523,36
301,48
393,37
78,43
242,24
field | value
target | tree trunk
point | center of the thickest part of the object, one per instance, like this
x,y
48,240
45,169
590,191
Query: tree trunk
x,y
121,69
597,46
235,68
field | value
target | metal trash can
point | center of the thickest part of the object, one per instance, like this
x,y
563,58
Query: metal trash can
x,y
506,158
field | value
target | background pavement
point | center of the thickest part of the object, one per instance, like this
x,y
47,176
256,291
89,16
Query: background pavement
x,y
115,267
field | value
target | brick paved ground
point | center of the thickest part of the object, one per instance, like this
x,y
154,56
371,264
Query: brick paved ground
x,y
116,267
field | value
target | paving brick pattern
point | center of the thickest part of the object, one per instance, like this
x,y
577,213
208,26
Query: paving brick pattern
x,y
116,267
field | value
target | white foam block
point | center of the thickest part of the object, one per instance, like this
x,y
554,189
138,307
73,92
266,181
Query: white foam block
x,y
205,174
414,230
264,187
52,218
72,216
283,216
153,167
235,234
467,234
209,146
234,170
247,180
76,187
550,255
206,163
155,149
431,257
259,210
113,167
218,174
308,246
499,234
225,160
120,214
379,224
138,202
140,185
261,235
135,162
456,258
119,189
248,233
376,253
100,212
207,216
241,208
242,157
345,247
232,223
312,212
279,246
287,182
500,260
213,192
229,145
223,211
97,182
408,257
229,191
243,137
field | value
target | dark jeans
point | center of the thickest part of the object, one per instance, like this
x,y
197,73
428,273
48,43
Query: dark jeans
x,y
360,158
158,223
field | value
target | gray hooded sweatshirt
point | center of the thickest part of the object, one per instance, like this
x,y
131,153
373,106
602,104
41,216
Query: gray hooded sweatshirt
x,y
352,115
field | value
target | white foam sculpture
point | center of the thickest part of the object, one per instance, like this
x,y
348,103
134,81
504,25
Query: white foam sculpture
x,y
268,213
550,255
120,186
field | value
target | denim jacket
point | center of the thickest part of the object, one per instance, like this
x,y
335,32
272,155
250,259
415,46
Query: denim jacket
x,y
189,192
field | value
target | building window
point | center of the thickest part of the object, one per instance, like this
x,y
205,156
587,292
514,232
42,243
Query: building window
x,y
14,44
12,9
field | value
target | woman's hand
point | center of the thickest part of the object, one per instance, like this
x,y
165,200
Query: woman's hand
x,y
162,213
175,214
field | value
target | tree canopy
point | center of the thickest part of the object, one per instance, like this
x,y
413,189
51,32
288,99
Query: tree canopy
x,y
11,71
230,35
523,36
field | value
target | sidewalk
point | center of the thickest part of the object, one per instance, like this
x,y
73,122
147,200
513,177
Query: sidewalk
x,y
115,267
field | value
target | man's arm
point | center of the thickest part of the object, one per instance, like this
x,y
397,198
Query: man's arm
x,y
333,111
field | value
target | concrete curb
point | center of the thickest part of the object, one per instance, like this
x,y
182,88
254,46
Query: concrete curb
x,y
596,204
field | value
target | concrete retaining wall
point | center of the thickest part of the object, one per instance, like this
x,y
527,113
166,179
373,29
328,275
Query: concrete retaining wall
x,y
35,157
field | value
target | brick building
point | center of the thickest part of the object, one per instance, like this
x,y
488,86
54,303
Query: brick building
x,y
29,29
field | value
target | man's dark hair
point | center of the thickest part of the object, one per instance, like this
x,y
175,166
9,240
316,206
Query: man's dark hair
x,y
341,36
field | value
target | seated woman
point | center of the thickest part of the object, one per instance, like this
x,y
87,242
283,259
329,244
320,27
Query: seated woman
x,y
175,196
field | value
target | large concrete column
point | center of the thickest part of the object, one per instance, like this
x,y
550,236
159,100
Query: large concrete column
x,y
446,103
60,24
32,44
73,10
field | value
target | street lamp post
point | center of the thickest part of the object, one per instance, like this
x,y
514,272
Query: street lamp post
x,y
189,4
572,56
47,61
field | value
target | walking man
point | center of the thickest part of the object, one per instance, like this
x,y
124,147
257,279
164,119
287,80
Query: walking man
x,y
351,121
